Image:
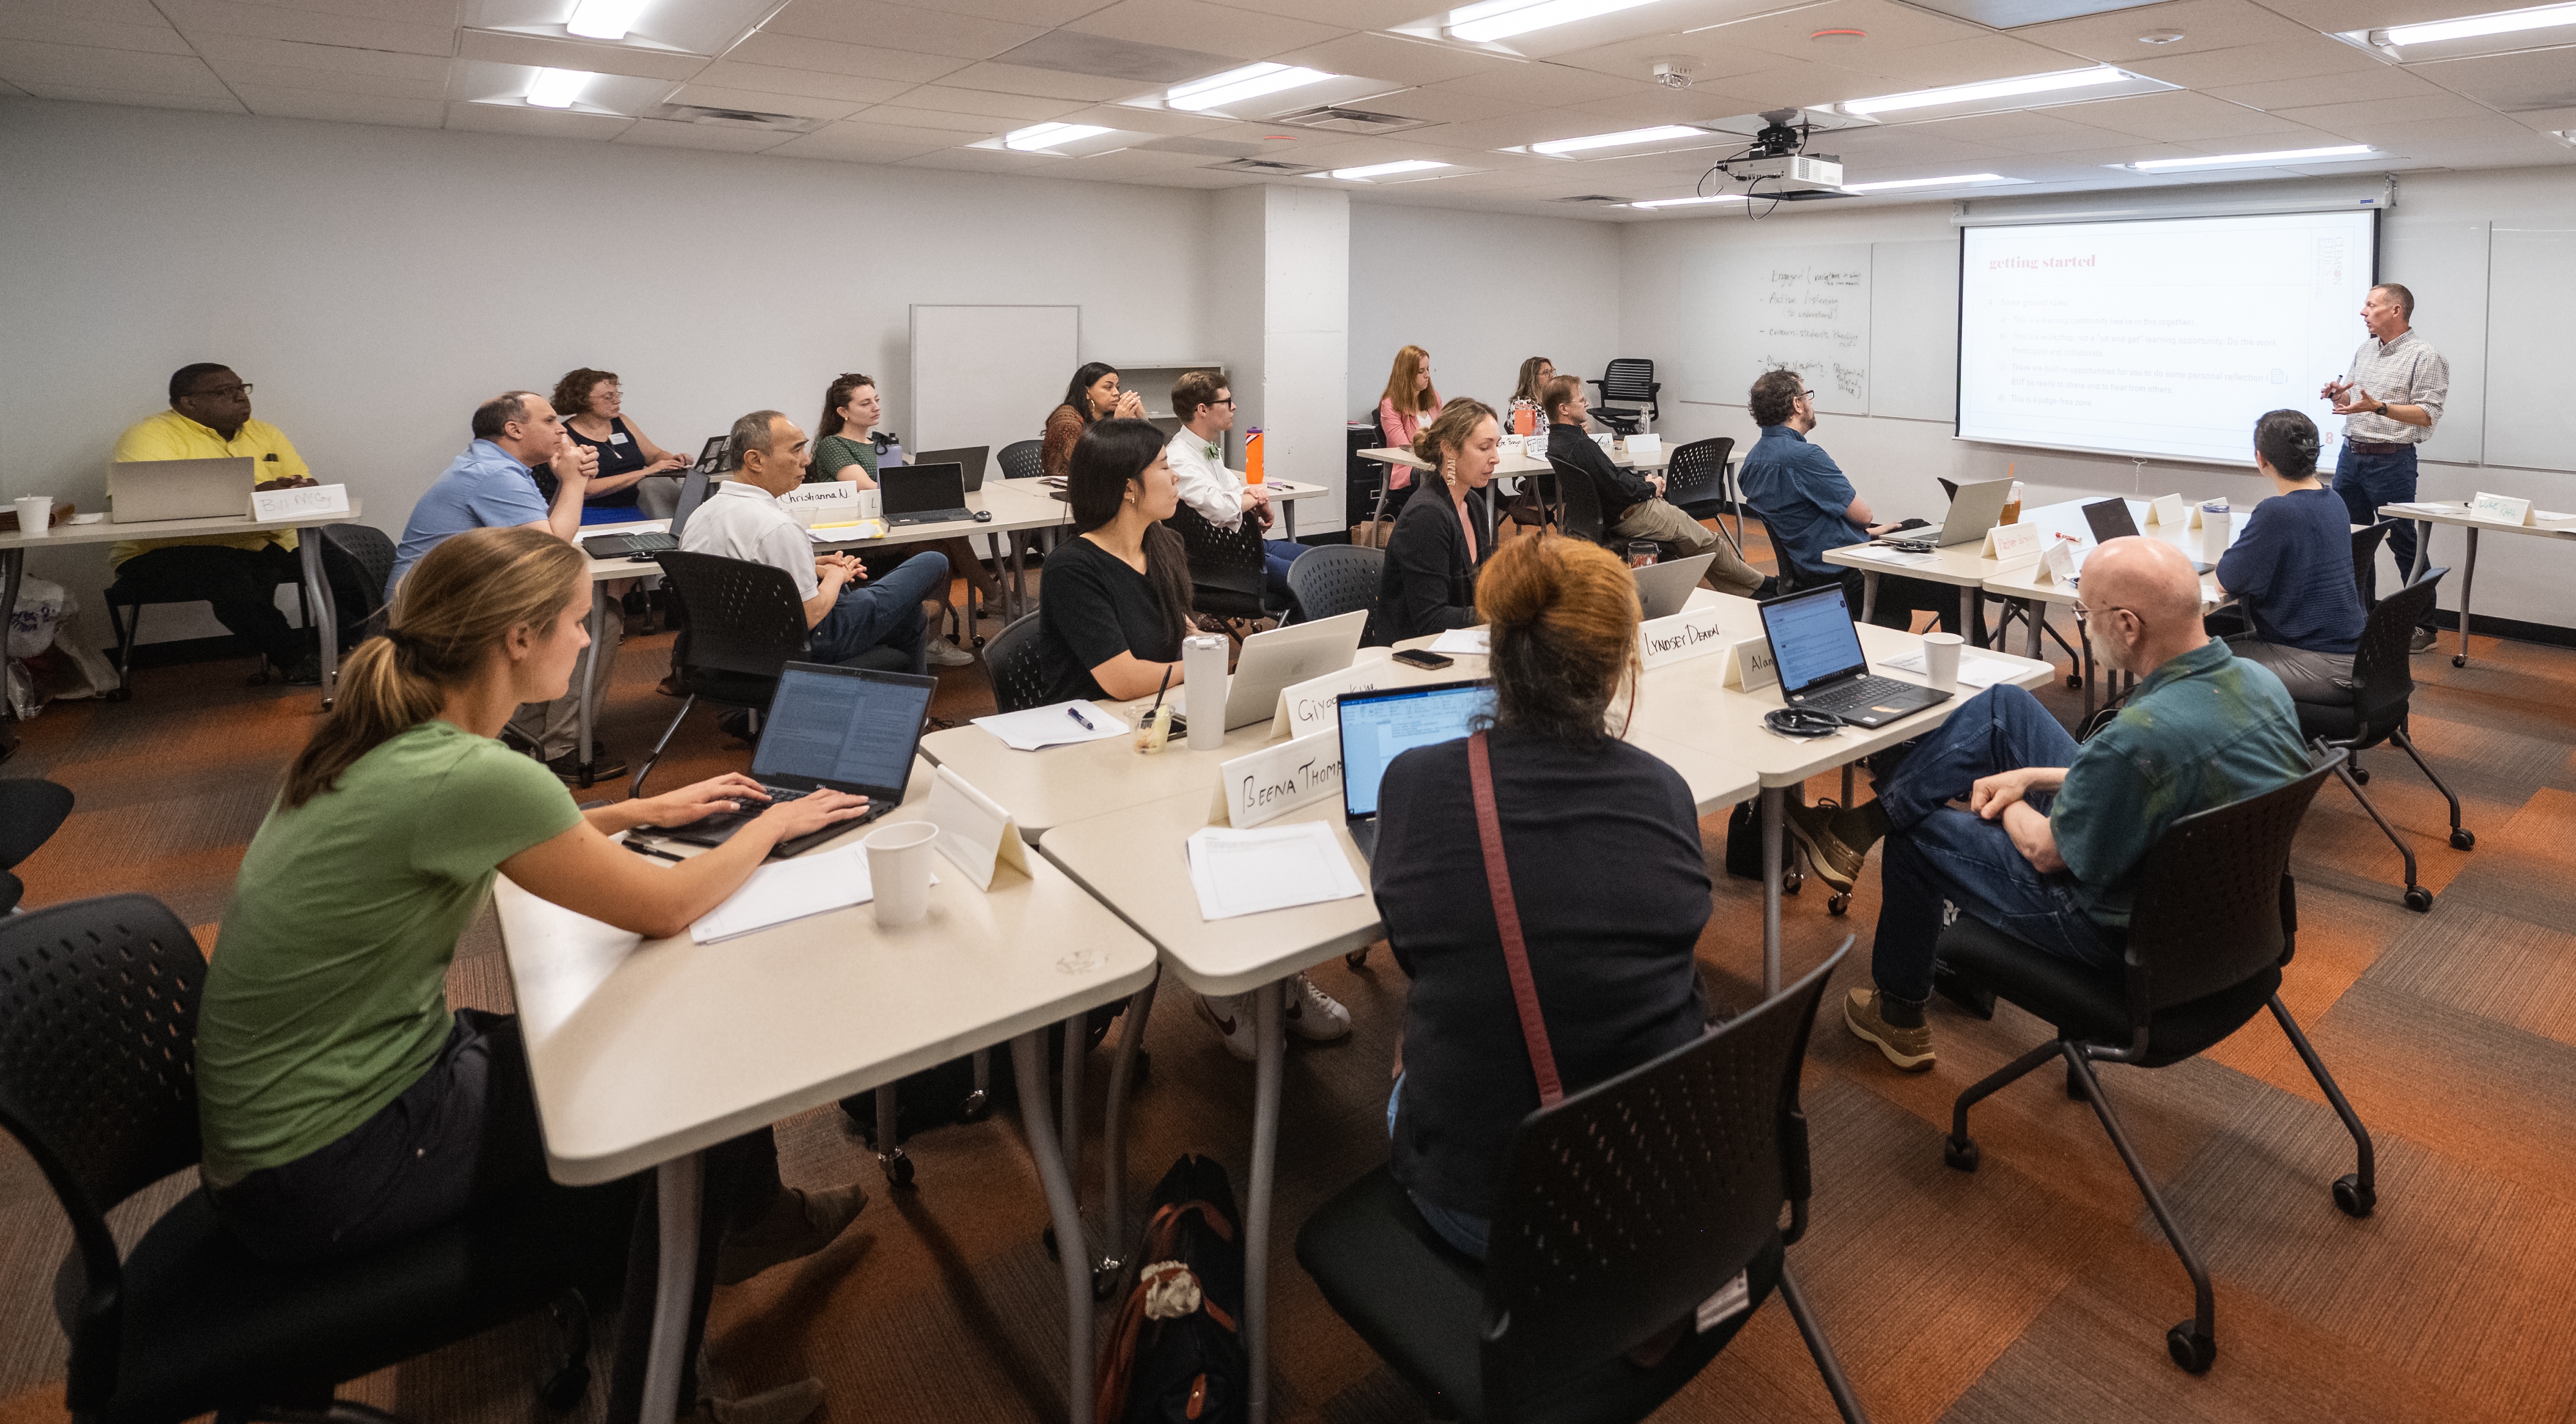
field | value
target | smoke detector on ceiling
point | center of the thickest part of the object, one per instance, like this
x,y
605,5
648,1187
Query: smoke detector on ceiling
x,y
2161,37
1676,72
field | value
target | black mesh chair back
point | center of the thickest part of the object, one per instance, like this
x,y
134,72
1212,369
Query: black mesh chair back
x,y
2383,667
2210,897
1336,579
2365,558
1019,675
31,810
744,618
1226,568
1021,459
358,558
1628,381
1624,1206
1578,503
1696,475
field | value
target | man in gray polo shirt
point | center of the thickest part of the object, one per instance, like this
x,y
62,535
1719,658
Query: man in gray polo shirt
x,y
2389,399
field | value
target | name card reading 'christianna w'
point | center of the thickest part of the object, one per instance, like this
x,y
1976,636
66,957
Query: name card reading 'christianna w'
x,y
1267,784
1691,633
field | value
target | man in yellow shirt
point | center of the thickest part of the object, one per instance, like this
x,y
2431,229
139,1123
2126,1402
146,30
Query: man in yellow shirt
x,y
209,419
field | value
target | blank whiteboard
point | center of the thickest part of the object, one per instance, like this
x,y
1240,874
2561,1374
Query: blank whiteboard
x,y
2529,420
1914,329
988,375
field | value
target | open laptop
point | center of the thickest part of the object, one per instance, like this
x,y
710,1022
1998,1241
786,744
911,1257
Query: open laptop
x,y
139,490
1662,588
1376,726
643,545
969,458
711,456
924,494
1284,657
1973,511
2110,519
829,729
1822,667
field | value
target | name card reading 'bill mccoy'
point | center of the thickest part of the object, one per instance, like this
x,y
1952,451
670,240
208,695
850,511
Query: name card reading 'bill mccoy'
x,y
303,503
1267,784
1691,633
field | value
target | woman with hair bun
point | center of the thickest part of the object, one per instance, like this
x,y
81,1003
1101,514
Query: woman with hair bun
x,y
1602,840
592,404
2291,570
1428,582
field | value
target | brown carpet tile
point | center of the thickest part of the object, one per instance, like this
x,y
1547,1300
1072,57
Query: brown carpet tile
x,y
2036,1289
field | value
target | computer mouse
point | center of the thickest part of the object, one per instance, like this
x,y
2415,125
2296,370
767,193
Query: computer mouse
x,y
983,516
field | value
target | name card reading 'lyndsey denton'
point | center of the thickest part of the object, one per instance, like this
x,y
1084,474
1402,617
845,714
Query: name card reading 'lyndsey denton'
x,y
299,503
1267,784
2006,542
1309,707
1691,633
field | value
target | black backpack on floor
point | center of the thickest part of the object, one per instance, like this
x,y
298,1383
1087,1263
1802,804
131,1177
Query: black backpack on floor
x,y
1175,1353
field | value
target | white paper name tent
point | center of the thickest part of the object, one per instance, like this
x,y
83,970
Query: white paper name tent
x,y
299,503
1642,448
1691,633
1239,872
1749,667
832,502
2500,509
975,833
1054,725
2012,542
2166,510
1267,784
1307,707
2063,561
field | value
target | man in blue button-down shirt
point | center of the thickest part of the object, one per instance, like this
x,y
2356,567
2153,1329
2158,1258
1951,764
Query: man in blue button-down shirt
x,y
1802,497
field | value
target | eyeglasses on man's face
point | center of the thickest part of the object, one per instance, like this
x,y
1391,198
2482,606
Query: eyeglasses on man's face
x,y
238,388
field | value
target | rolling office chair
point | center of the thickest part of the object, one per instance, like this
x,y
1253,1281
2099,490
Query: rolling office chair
x,y
1228,577
2365,559
1630,379
1025,460
1617,1212
358,559
125,605
1336,579
31,810
2383,689
1696,483
98,1022
1019,674
1578,504
2216,920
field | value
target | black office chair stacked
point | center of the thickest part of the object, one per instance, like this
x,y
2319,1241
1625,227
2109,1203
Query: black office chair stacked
x,y
1227,574
1617,1212
1630,379
1019,675
2383,691
125,605
1336,579
98,1020
2216,920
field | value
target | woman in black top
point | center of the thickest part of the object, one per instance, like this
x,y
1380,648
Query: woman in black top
x,y
1603,844
1428,582
593,412
1117,595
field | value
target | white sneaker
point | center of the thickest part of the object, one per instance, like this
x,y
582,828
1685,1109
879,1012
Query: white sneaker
x,y
944,653
1231,1016
1314,1015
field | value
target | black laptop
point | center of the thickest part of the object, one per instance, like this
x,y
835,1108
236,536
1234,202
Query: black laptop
x,y
1376,726
924,494
969,458
641,547
1822,667
2110,520
829,729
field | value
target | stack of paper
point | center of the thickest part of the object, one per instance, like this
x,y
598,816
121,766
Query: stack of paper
x,y
1054,725
847,532
1974,671
1468,642
1272,868
791,890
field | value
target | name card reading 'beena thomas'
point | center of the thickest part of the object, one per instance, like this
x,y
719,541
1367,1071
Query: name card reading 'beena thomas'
x,y
1267,784
1691,633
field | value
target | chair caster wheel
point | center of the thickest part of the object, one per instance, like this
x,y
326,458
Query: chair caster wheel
x,y
977,1107
2460,661
1838,904
1104,1279
2418,899
562,1390
1960,1153
2194,1352
897,1168
2463,840
1358,958
2361,775
2075,682
1793,882
2352,1198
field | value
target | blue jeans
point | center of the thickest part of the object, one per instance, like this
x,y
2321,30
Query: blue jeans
x,y
1276,556
1463,1232
883,611
1936,854
2368,481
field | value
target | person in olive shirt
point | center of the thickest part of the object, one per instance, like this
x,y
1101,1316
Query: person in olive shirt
x,y
341,1105
844,451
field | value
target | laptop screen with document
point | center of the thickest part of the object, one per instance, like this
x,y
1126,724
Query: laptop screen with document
x,y
1379,726
1812,638
850,727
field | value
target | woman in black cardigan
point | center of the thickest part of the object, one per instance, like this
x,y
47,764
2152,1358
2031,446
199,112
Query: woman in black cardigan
x,y
1428,583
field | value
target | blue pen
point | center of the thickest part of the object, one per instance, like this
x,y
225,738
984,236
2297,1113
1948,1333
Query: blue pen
x,y
1076,714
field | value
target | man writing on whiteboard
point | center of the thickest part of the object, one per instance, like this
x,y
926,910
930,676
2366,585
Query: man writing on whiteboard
x,y
2389,398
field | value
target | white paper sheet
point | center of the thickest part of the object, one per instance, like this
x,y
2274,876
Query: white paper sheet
x,y
1053,725
791,890
1271,868
1471,642
1974,671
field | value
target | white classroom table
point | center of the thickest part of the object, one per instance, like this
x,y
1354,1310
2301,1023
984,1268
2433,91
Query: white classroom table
x,y
317,587
2426,514
641,1053
1286,493
1515,464
1961,566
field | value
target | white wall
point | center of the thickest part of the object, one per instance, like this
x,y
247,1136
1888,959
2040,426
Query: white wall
x,y
2434,240
375,283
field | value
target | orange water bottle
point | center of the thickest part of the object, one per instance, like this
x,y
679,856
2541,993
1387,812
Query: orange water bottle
x,y
1252,456
1524,418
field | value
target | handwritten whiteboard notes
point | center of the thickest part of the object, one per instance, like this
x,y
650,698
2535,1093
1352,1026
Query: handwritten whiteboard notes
x,y
1804,309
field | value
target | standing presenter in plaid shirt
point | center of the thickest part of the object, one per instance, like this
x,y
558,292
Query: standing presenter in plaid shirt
x,y
2389,398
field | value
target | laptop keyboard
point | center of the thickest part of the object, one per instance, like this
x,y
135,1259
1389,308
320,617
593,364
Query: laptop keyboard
x,y
1850,696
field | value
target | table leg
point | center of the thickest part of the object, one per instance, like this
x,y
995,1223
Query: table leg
x,y
1868,594
1268,1051
1288,511
581,755
1028,1064
2423,548
2468,580
1774,803
1113,1142
326,618
2035,613
1019,571
676,1184
1077,1045
1972,614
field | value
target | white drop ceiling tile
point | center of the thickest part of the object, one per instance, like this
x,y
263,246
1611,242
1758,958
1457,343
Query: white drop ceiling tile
x,y
139,98
1890,28
223,51
2267,143
2022,131
2380,115
2175,114
1043,83
1049,13
2262,63
990,104
1800,84
967,127
1533,126
903,27
2385,82
1344,14
987,160
2088,164
864,129
2539,79
1396,60
442,12
834,57
1666,17
540,52
830,148
242,77
1697,104
1440,106
534,122
56,27
663,133
1173,122
802,106
2205,25
2334,16
1709,56
1865,151
342,107
2547,119
115,12
36,66
1215,29
1969,61
1541,85
804,83
232,17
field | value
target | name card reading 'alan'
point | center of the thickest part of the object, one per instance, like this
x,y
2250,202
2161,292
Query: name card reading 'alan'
x,y
1312,706
2006,542
1267,784
1749,667
299,503
1691,633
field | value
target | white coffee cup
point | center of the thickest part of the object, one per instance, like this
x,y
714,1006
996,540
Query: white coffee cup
x,y
2213,530
36,516
1941,660
899,863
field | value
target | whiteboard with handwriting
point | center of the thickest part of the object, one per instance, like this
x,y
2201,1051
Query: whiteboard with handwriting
x,y
1763,308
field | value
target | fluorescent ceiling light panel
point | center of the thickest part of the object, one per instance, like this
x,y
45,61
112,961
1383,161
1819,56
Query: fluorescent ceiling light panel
x,y
1236,85
1956,180
1559,147
1038,137
2342,154
1992,89
2473,26
1687,202
1501,19
557,88
1380,170
603,20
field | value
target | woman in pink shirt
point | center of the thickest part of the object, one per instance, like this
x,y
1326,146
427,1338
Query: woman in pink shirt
x,y
1408,405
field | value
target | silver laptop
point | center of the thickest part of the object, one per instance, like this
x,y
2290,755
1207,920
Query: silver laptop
x,y
969,458
1973,511
140,490
1663,588
1284,657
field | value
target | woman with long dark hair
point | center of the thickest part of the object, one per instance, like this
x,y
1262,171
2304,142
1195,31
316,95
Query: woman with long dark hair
x,y
1092,395
1117,594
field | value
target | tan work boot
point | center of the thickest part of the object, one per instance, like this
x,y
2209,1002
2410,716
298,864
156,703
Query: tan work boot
x,y
1907,1048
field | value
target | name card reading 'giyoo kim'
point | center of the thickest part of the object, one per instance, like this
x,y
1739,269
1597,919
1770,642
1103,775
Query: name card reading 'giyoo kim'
x,y
1309,707
299,503
1267,784
1691,633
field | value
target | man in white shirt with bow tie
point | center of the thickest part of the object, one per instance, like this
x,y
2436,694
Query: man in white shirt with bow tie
x,y
1197,458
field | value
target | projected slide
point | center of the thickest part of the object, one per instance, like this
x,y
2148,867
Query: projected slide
x,y
2164,338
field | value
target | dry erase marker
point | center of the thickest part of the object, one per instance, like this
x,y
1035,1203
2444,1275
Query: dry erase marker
x,y
1076,714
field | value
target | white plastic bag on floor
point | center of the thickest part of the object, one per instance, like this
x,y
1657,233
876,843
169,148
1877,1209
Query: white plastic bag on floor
x,y
47,616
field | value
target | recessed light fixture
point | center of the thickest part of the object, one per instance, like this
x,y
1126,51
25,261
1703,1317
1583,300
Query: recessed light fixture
x,y
1039,137
1991,89
2161,37
1839,37
1956,180
2344,153
557,88
1558,147
2565,136
1236,85
603,19
2473,26
1381,170
1492,20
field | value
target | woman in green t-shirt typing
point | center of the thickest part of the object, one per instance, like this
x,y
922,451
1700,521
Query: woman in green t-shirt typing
x,y
342,1105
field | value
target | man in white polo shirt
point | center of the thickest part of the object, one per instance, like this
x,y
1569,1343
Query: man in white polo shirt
x,y
2390,399
1219,495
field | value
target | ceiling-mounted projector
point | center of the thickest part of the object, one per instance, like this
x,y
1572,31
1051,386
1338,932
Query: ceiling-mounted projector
x,y
1775,159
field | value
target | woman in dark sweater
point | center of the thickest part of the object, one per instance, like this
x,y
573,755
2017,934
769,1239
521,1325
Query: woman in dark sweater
x,y
1092,395
1117,594
2291,570
1428,582
1612,889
